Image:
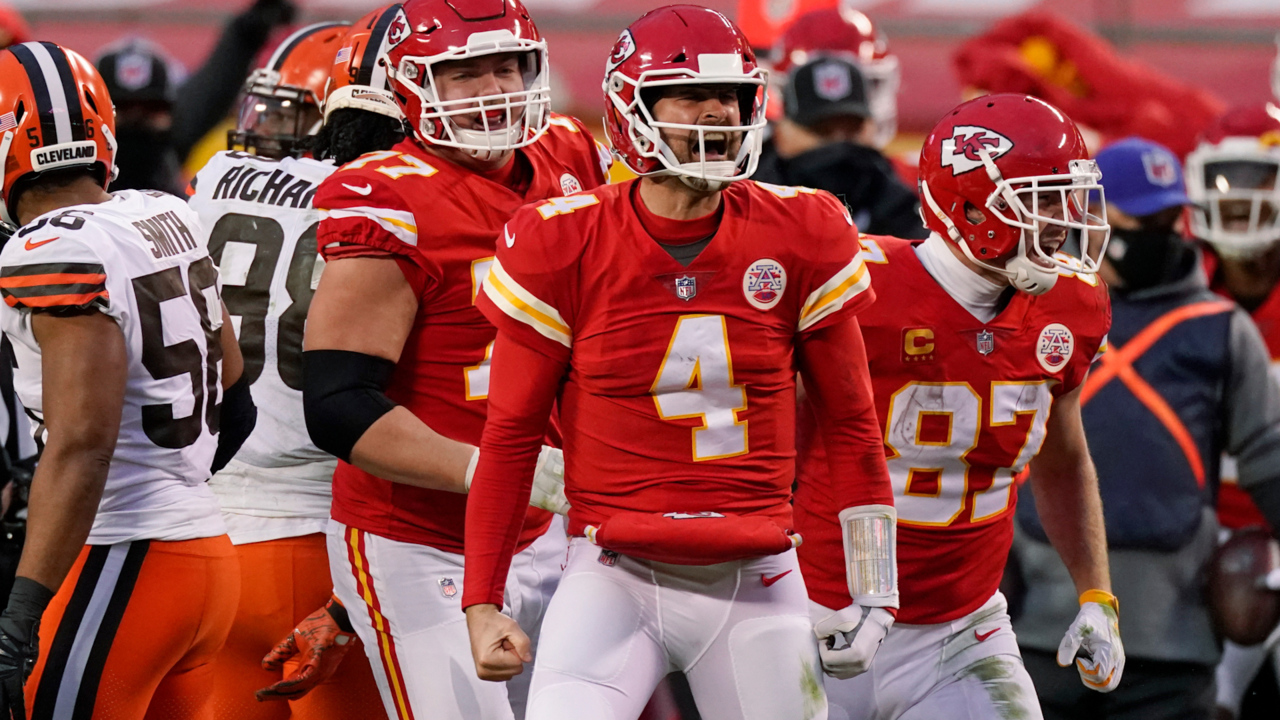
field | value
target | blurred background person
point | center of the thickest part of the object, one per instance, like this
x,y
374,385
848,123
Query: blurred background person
x,y
822,142
1232,177
160,114
1185,379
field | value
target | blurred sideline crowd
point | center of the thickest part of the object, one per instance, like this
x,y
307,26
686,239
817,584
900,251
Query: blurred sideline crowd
x,y
1180,417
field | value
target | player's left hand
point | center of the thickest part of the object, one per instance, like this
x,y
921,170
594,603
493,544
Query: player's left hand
x,y
20,643
322,640
848,639
1094,641
498,645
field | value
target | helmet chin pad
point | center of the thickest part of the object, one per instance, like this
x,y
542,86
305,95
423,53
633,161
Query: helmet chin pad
x,y
1030,277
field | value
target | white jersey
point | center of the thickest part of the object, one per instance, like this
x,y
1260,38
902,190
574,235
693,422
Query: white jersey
x,y
261,231
140,258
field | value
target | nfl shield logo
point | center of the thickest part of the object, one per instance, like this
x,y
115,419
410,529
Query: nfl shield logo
x,y
1161,168
686,287
831,81
986,342
447,588
608,558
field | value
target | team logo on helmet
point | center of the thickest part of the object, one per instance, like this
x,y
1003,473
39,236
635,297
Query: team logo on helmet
x,y
398,30
623,49
1054,347
831,81
569,184
763,283
1160,168
962,151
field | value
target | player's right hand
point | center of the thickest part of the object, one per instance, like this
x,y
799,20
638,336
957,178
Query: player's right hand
x,y
548,482
1093,641
16,660
498,645
322,640
848,639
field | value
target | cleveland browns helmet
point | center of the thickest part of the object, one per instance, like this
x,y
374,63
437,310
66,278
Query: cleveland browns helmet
x,y
55,113
440,31
682,45
848,34
1006,177
1231,178
358,78
281,104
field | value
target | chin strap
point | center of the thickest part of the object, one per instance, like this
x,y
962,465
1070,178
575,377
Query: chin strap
x,y
1029,277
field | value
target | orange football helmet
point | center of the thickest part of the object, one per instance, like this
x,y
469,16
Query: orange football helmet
x,y
281,103
55,113
358,78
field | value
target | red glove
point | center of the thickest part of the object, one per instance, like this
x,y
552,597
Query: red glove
x,y
321,641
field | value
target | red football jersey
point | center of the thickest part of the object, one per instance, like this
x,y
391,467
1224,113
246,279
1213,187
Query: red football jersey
x,y
680,389
1235,507
442,222
964,406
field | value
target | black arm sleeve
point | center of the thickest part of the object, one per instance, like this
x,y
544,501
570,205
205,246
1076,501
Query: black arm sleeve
x,y
343,393
238,417
209,93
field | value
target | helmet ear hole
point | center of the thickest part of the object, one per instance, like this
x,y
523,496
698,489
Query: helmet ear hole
x,y
88,98
973,215
20,112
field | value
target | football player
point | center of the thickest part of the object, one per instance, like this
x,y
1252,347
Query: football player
x,y
256,211
978,347
124,354
849,34
667,316
1232,178
396,365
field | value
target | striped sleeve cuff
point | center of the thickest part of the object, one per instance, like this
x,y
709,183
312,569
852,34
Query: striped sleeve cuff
x,y
850,282
520,304
55,286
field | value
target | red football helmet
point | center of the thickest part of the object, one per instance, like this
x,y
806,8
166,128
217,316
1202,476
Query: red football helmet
x,y
438,31
281,103
1001,173
682,45
1231,177
359,76
55,113
849,34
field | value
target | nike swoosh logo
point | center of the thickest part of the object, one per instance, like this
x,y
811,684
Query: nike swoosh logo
x,y
771,580
361,190
511,239
985,635
33,245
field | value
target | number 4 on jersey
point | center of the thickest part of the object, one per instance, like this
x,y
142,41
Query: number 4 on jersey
x,y
695,380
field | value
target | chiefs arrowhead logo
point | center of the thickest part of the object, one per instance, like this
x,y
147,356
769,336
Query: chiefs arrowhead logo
x,y
622,50
962,151
398,30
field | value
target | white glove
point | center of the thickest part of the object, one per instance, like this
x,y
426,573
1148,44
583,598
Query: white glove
x,y
848,639
1095,633
548,480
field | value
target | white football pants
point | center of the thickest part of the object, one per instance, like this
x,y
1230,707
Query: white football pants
x,y
967,669
740,632
405,601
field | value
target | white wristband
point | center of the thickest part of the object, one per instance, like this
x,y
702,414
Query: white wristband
x,y
471,470
871,554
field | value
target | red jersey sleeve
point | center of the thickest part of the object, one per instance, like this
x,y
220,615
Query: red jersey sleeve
x,y
1096,303
528,292
834,281
363,215
572,140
